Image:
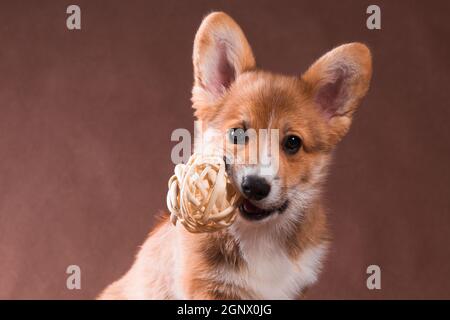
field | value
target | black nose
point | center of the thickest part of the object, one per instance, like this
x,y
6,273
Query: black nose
x,y
255,188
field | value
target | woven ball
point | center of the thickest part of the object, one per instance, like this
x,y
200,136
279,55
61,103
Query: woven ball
x,y
201,196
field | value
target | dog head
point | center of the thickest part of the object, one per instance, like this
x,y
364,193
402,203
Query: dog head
x,y
293,122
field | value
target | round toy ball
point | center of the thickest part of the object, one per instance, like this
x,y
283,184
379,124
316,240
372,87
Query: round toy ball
x,y
201,195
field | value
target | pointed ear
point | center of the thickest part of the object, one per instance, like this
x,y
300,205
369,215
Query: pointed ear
x,y
221,53
337,83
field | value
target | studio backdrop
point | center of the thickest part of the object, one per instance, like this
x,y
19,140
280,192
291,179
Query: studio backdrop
x,y
86,117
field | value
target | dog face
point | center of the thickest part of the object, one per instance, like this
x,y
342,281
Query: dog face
x,y
276,131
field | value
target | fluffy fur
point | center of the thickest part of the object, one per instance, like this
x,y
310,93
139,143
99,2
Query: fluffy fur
x,y
279,256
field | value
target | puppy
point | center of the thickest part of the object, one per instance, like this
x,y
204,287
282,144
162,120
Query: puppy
x,y
275,247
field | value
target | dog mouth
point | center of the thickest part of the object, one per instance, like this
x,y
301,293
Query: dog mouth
x,y
251,212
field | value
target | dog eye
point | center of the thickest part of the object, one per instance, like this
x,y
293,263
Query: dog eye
x,y
237,136
291,144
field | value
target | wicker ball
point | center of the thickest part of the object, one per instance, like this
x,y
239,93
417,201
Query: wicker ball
x,y
201,195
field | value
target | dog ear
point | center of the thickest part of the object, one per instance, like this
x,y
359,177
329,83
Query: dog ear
x,y
337,82
221,53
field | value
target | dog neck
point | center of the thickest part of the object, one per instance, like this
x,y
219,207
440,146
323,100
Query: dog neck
x,y
257,257
230,248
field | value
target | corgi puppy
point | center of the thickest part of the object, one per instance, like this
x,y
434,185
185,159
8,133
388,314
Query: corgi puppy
x,y
275,247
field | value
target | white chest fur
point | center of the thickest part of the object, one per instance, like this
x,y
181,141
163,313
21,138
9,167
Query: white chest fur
x,y
272,274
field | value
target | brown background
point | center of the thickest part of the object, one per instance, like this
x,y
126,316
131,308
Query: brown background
x,y
86,118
